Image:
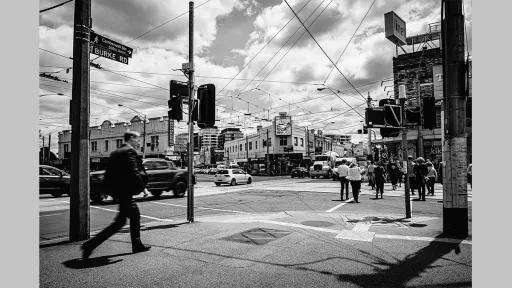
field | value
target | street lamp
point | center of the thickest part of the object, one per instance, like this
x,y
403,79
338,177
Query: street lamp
x,y
144,133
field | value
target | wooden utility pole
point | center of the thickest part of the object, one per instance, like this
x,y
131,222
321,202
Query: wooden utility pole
x,y
405,161
79,188
455,201
190,196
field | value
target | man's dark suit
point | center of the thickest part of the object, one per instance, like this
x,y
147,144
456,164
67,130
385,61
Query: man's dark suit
x,y
124,178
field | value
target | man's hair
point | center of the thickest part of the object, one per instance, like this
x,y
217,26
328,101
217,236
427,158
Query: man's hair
x,y
130,134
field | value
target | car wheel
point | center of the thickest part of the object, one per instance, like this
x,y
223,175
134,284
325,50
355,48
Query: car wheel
x,y
233,182
179,189
218,184
249,181
156,193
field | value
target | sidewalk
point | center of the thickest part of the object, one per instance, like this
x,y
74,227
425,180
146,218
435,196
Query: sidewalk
x,y
286,249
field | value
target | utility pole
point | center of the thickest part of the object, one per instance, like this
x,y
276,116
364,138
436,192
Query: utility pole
x,y
420,135
455,201
49,146
404,158
42,154
170,132
144,139
369,104
190,196
79,187
268,156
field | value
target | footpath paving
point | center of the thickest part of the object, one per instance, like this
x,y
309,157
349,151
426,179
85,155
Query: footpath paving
x,y
344,246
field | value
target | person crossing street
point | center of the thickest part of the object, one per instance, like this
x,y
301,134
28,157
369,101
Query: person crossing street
x,y
125,179
343,174
354,175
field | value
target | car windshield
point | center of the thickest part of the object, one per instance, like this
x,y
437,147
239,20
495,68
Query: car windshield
x,y
223,172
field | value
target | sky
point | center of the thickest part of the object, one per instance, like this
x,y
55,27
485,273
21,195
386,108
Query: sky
x,y
257,54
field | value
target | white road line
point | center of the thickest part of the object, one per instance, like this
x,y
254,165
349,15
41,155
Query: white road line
x,y
427,239
142,216
300,226
203,208
340,205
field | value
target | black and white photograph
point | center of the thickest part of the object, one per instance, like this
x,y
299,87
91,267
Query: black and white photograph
x,y
255,143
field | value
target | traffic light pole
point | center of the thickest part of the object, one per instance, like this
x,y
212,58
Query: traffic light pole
x,y
79,186
190,196
455,201
369,104
404,158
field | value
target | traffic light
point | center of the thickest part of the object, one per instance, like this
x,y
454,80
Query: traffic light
x,y
177,91
412,115
429,113
206,111
389,132
374,116
175,104
392,115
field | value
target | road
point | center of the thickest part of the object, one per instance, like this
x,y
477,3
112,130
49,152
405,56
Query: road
x,y
264,195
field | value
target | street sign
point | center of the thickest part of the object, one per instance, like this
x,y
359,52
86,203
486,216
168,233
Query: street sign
x,y
113,46
104,52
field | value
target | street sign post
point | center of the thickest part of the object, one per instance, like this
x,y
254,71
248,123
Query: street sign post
x,y
104,52
98,40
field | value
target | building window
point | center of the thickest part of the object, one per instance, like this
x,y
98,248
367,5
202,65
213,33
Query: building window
x,y
245,146
295,141
283,141
250,145
106,145
154,143
301,142
256,143
94,146
66,148
240,148
119,142
269,142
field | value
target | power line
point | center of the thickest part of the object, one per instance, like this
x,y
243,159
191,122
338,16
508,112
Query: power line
x,y
257,53
350,40
312,37
282,46
53,7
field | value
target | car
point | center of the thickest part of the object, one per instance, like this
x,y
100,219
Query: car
x,y
162,175
299,172
53,181
212,171
232,177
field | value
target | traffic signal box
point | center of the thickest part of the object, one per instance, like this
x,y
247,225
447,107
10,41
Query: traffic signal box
x,y
429,113
206,97
177,91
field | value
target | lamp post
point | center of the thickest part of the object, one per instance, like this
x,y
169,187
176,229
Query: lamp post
x,y
144,133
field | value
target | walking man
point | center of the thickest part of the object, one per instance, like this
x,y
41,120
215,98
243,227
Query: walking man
x,y
124,179
380,179
371,176
420,171
343,174
354,175
431,178
410,174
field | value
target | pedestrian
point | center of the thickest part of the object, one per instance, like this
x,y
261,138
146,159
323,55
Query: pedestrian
x,y
394,173
410,174
124,179
343,174
380,179
470,175
354,175
400,174
431,178
420,171
371,177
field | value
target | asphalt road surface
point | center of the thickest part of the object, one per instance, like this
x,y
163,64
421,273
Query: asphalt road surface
x,y
264,195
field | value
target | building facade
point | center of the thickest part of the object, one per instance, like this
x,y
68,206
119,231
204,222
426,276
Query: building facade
x,y
229,134
109,136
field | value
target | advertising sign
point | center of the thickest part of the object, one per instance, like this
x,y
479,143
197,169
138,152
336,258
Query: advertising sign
x,y
395,28
283,125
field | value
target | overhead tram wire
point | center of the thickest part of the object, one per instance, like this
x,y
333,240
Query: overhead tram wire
x,y
296,40
55,6
314,39
350,40
261,49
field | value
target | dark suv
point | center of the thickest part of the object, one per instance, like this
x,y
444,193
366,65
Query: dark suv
x,y
162,175
53,181
299,172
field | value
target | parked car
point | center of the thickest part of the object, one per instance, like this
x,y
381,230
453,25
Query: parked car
x,y
162,175
212,171
53,181
299,172
232,177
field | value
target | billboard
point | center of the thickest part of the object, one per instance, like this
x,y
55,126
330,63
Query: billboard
x,y
395,29
283,125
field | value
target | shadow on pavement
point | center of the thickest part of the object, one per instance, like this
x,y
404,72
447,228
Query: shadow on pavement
x,y
78,263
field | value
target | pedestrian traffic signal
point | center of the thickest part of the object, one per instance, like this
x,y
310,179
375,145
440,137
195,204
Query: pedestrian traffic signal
x,y
392,115
206,111
412,115
176,106
194,110
374,117
429,113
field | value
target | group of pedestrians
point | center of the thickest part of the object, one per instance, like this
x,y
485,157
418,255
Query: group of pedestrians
x,y
350,172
